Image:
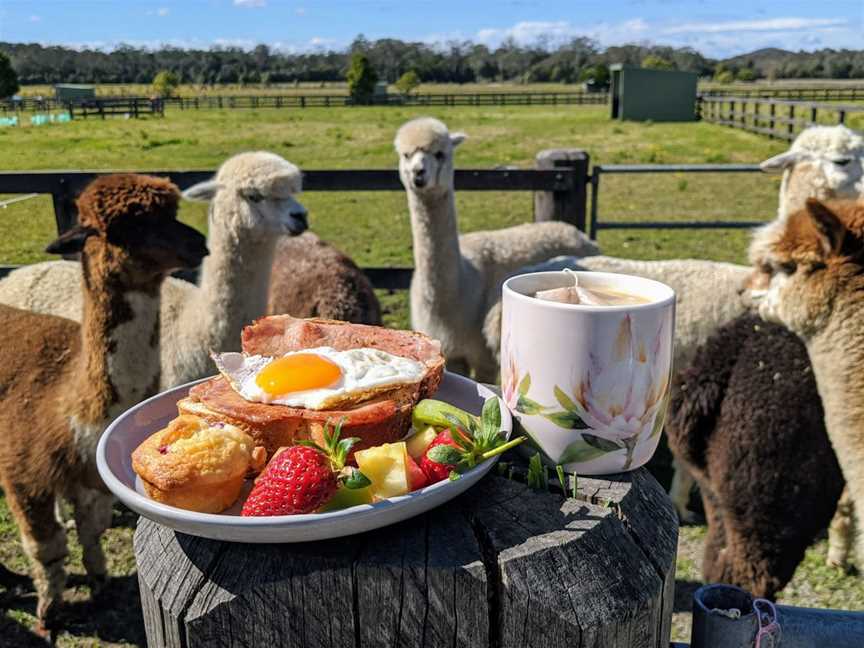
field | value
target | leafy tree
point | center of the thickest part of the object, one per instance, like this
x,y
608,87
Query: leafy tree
x,y
654,62
361,78
8,77
408,82
165,83
599,72
724,76
746,74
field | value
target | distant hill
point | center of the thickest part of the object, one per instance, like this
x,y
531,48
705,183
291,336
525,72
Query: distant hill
x,y
772,62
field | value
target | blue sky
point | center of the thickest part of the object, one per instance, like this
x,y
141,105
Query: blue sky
x,y
717,28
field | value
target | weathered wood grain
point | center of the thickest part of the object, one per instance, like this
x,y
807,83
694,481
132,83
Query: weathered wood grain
x,y
501,566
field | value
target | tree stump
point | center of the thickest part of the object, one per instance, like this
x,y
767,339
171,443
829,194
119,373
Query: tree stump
x,y
502,565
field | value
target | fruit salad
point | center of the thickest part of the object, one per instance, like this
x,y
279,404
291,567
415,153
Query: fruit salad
x,y
444,442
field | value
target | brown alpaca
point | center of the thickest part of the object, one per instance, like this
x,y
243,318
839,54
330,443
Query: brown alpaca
x,y
311,278
61,383
746,421
815,287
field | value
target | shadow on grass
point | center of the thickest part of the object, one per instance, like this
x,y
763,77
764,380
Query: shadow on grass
x,y
114,616
684,590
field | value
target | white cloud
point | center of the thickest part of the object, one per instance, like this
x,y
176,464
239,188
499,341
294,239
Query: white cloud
x,y
34,18
717,38
768,25
250,3
300,11
163,11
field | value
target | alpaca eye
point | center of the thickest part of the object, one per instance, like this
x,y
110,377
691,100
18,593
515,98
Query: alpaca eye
x,y
843,161
439,156
254,196
406,156
787,268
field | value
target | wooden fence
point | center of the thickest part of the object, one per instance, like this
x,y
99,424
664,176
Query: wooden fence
x,y
317,101
772,117
99,107
565,183
815,93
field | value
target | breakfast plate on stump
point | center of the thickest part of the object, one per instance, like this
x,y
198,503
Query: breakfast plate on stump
x,y
130,431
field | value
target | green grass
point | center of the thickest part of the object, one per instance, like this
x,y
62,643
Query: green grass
x,y
373,227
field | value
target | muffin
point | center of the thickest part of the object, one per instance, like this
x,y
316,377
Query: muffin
x,y
196,465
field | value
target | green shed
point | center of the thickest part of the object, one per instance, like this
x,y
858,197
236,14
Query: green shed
x,y
640,94
74,92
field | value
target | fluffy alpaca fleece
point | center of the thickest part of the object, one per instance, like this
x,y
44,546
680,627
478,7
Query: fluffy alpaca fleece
x,y
457,279
311,278
746,421
815,283
63,383
251,206
823,162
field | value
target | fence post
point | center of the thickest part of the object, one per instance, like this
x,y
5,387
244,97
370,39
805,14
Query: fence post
x,y
841,116
791,126
65,214
772,111
568,206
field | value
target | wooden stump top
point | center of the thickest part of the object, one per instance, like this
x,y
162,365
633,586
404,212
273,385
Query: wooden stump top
x,y
502,565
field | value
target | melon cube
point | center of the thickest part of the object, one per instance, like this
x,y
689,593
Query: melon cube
x,y
346,498
419,441
385,466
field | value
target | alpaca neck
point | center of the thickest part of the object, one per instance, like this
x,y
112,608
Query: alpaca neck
x,y
437,259
235,279
119,361
837,356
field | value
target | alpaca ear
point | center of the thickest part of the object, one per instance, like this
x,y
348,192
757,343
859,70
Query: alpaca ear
x,y
780,163
203,191
831,230
457,138
71,241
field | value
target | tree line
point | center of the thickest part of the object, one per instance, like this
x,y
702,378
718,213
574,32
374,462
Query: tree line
x,y
454,62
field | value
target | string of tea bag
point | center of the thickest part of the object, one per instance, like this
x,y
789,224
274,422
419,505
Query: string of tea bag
x,y
576,294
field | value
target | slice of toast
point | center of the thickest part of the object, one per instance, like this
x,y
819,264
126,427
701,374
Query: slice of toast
x,y
383,419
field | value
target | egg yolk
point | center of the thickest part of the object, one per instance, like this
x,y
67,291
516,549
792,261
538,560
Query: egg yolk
x,y
298,372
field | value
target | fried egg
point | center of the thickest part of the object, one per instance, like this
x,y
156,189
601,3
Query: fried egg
x,y
317,378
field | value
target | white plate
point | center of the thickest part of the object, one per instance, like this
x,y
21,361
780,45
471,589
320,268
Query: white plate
x,y
114,459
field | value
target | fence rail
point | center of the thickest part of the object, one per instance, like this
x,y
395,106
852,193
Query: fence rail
x,y
562,183
772,117
230,102
616,169
815,93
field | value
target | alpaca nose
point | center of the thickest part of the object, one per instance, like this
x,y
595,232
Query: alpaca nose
x,y
420,178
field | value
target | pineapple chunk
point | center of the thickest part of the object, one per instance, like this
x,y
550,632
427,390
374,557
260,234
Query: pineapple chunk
x,y
419,441
386,468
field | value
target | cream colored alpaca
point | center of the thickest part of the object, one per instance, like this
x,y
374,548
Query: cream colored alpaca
x,y
251,206
815,287
457,279
64,383
823,162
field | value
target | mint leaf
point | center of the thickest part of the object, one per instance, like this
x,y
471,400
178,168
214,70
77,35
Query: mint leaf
x,y
444,454
491,418
357,480
600,443
453,476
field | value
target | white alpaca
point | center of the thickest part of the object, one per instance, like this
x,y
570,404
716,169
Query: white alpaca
x,y
823,162
457,279
252,204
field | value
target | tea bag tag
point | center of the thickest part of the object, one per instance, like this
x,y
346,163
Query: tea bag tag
x,y
565,295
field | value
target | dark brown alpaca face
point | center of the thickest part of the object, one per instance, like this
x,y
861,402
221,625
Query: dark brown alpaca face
x,y
810,266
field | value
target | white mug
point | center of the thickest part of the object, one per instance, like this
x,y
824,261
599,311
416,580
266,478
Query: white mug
x,y
588,384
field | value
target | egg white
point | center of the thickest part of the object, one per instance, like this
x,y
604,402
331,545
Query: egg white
x,y
364,370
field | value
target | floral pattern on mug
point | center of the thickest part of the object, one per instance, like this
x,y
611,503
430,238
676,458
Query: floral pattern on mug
x,y
620,400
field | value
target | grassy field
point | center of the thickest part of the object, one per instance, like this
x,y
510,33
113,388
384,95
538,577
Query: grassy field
x,y
374,229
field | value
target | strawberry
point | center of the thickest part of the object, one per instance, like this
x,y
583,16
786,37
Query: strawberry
x,y
416,477
297,480
302,478
469,441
